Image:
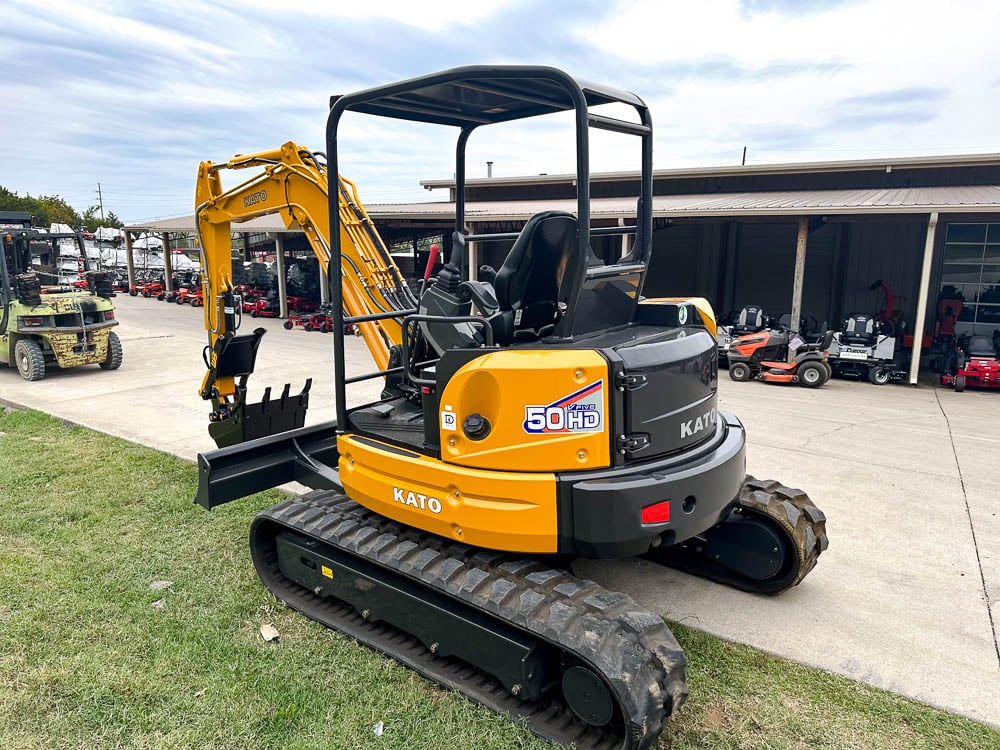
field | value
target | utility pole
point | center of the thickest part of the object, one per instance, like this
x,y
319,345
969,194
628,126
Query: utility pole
x,y
100,201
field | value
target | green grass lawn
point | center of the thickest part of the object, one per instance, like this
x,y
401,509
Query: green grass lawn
x,y
88,522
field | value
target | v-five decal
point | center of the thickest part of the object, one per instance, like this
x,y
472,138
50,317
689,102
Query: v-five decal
x,y
582,411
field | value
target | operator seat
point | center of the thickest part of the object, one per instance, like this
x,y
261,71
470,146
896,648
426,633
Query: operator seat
x,y
859,330
820,345
528,283
750,320
981,347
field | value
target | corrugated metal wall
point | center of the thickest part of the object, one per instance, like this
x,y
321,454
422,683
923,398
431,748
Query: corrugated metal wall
x,y
765,269
673,269
888,250
689,259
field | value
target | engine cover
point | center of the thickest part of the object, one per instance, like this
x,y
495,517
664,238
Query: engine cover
x,y
671,391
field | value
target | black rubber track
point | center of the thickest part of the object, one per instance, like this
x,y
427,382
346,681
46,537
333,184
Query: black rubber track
x,y
791,511
632,649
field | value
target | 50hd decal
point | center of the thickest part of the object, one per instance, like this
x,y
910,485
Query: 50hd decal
x,y
582,411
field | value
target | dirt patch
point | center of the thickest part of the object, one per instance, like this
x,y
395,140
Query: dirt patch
x,y
715,718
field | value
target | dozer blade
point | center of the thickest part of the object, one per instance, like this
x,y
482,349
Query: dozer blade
x,y
307,455
577,663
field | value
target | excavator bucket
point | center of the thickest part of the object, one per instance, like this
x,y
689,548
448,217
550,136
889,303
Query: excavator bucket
x,y
235,358
264,418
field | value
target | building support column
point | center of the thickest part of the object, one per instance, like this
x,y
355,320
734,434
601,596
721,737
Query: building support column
x,y
324,285
168,264
922,295
129,262
473,256
799,278
279,265
621,223
727,288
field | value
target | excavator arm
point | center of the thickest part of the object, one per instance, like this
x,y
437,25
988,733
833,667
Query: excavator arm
x,y
292,182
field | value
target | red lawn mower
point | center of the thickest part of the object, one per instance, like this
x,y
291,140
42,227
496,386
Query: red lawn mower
x,y
310,321
262,307
762,356
974,365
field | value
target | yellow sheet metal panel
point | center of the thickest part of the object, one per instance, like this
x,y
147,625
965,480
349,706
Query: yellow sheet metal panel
x,y
513,511
547,411
702,305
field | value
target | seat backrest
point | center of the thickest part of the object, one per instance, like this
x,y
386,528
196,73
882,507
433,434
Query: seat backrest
x,y
750,320
529,280
981,346
858,329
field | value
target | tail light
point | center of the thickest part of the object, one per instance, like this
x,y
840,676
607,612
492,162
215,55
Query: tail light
x,y
109,314
30,320
656,513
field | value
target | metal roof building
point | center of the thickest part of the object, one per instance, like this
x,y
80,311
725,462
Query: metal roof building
x,y
821,232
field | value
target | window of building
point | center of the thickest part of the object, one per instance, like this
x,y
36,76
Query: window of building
x,y
971,274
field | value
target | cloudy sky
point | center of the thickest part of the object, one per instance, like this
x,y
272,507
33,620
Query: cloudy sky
x,y
134,94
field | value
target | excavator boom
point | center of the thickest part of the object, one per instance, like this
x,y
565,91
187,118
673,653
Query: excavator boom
x,y
291,182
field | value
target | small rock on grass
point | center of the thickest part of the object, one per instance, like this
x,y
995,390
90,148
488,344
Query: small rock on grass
x,y
159,604
160,585
268,632
378,729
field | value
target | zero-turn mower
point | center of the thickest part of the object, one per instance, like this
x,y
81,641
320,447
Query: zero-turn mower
x,y
973,364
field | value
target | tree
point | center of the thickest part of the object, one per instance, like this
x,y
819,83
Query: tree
x,y
46,209
90,219
58,210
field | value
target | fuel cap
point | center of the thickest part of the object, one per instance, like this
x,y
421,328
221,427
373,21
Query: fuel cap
x,y
476,427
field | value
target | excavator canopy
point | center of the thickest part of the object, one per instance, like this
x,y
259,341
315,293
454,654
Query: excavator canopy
x,y
479,95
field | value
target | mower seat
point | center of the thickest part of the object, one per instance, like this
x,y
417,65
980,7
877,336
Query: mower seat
x,y
527,285
817,346
859,330
750,320
981,347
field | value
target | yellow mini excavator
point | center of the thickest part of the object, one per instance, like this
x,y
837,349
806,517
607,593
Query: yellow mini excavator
x,y
529,414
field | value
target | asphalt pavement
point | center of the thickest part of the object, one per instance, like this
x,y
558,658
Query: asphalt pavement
x,y
907,597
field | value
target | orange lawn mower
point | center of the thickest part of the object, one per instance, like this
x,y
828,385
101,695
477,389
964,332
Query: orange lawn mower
x,y
318,320
763,355
147,289
153,289
189,295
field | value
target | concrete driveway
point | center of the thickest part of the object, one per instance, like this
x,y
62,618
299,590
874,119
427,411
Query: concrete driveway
x,y
907,597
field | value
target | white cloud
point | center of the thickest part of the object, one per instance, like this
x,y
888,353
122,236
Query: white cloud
x,y
427,14
136,95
